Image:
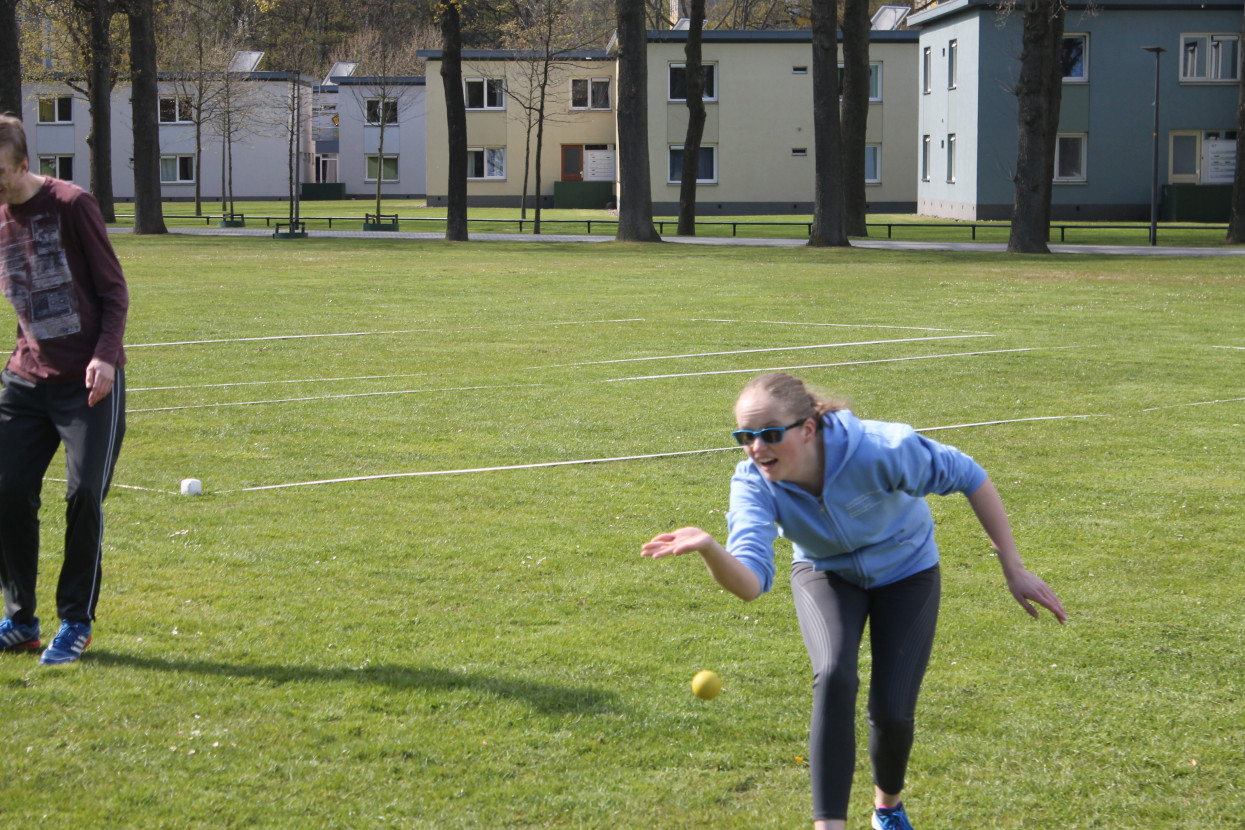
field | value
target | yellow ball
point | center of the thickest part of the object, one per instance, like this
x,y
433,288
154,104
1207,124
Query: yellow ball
x,y
706,685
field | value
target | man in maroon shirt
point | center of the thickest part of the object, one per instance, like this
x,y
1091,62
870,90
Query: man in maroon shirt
x,y
64,384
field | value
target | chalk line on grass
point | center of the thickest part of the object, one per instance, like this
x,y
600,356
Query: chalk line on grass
x,y
830,365
758,351
367,333
332,397
273,382
586,461
826,325
1197,403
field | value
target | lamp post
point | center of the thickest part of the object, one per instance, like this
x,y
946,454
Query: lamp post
x,y
1154,177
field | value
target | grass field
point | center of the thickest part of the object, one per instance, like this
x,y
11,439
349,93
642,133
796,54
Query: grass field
x,y
416,216
488,649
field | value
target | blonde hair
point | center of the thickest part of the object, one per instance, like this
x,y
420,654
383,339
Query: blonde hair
x,y
793,396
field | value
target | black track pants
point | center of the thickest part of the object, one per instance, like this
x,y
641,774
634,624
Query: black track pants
x,y
902,618
35,419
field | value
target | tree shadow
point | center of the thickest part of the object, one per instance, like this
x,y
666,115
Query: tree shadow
x,y
546,698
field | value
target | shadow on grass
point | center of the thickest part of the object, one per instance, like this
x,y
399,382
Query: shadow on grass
x,y
546,698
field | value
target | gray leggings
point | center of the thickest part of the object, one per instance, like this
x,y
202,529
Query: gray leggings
x,y
832,612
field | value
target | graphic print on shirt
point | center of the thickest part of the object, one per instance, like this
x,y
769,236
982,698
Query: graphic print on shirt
x,y
35,277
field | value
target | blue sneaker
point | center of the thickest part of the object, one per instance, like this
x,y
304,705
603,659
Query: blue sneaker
x,y
68,643
895,819
18,637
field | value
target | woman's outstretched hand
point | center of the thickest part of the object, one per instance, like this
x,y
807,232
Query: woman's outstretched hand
x,y
676,543
1026,586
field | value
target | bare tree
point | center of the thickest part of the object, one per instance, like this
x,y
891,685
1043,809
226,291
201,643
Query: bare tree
x,y
855,115
145,98
239,112
1038,92
827,227
386,55
693,71
546,34
10,59
456,119
1236,223
635,195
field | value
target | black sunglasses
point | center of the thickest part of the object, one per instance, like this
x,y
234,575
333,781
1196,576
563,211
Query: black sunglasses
x,y
770,435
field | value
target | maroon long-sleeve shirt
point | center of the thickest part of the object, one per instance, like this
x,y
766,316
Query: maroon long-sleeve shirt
x,y
59,271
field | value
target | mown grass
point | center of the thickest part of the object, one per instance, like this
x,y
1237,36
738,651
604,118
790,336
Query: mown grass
x,y
416,216
489,650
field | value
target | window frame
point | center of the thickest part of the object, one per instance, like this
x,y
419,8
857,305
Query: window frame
x,y
670,180
951,142
927,70
179,160
495,85
593,105
58,161
927,157
179,102
875,82
877,164
389,111
1212,68
953,50
57,103
1083,78
484,159
1082,176
380,168
710,67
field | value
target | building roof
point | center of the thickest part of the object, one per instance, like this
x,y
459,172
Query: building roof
x,y
519,54
774,36
944,8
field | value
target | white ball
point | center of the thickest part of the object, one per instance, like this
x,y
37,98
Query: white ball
x,y
192,487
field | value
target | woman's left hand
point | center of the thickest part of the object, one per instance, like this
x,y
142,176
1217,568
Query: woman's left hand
x,y
1026,586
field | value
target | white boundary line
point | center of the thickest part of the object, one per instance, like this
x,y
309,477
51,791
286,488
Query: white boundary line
x,y
1238,348
759,351
827,325
830,365
1198,403
368,333
274,382
331,397
585,461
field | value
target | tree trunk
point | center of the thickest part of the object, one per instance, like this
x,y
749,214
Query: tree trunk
x,y
1236,223
694,71
540,139
855,114
148,208
456,121
380,156
635,195
828,161
10,59
1037,94
99,88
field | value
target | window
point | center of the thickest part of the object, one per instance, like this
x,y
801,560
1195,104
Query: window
x,y
951,158
927,70
799,70
925,158
177,169
706,169
485,93
1202,156
875,82
388,168
374,110
953,49
58,110
1209,57
486,163
176,110
58,167
678,82
590,93
1070,158
1074,55
873,164
799,151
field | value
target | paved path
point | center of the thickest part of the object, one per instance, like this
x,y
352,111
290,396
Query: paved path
x,y
887,244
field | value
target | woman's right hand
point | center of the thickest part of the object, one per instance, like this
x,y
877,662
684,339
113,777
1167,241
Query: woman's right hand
x,y
676,543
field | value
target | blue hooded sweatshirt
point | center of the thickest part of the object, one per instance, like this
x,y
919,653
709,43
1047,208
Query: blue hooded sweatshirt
x,y
871,525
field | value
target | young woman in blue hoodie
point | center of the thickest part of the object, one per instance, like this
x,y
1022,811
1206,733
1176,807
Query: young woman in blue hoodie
x,y
850,496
